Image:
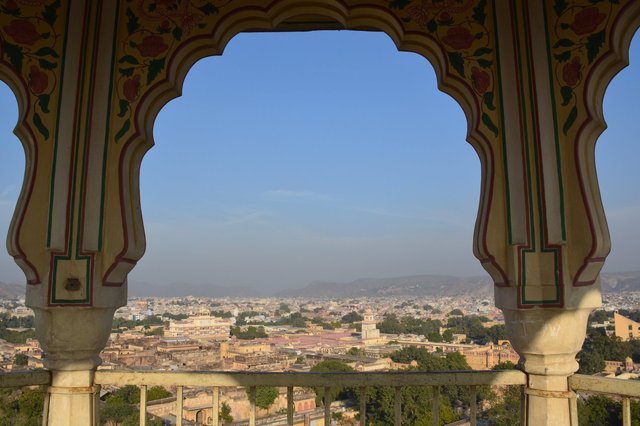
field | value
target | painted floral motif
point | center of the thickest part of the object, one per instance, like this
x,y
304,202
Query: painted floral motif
x,y
30,43
22,31
481,80
458,38
152,30
587,21
460,27
571,72
579,33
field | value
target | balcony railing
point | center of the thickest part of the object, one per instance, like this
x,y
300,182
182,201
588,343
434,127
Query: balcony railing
x,y
19,379
362,381
626,390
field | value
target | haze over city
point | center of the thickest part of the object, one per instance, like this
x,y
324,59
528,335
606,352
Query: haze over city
x,y
292,181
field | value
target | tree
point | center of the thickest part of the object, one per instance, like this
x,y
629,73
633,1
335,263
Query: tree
x,y
265,396
337,392
455,312
119,408
250,333
599,410
116,411
507,411
355,351
20,360
225,413
599,316
591,362
504,365
158,331
352,317
157,392
128,394
284,308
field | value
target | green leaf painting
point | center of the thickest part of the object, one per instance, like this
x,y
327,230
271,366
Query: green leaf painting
x,y
570,120
133,22
123,131
560,6
457,62
399,4
155,67
15,54
594,43
489,123
37,120
567,95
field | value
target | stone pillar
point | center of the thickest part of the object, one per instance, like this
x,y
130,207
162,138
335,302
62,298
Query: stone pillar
x,y
67,233
548,341
546,236
72,340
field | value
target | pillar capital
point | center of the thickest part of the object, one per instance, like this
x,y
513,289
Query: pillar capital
x,y
72,338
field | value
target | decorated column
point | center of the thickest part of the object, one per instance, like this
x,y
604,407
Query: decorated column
x,y
556,59
56,57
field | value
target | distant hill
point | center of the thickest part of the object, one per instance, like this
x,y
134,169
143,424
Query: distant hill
x,y
139,289
620,282
435,285
417,285
11,291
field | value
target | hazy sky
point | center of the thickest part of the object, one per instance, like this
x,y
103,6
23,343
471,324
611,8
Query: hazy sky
x,y
324,156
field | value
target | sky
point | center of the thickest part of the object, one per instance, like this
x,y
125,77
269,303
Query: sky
x,y
324,156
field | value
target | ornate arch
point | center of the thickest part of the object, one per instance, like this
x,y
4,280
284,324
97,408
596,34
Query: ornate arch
x,y
31,39
455,37
624,24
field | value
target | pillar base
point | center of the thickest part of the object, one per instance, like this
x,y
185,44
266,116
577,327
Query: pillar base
x,y
72,339
548,341
72,399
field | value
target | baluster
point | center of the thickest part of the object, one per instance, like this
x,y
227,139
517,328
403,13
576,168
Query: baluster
x,y
435,409
626,412
473,405
363,405
252,406
523,406
573,409
290,406
143,405
45,408
397,408
327,406
179,404
215,406
95,408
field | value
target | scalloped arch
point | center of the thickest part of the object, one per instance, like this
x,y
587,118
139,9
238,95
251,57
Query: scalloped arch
x,y
600,76
253,18
25,135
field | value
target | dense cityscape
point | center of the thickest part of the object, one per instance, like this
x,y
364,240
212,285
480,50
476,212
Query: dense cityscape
x,y
302,335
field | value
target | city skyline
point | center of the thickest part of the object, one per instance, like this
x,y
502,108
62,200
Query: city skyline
x,y
321,166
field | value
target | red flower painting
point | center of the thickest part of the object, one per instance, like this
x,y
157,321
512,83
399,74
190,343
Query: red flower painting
x,y
458,38
152,46
571,72
23,32
38,80
481,80
131,88
587,21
